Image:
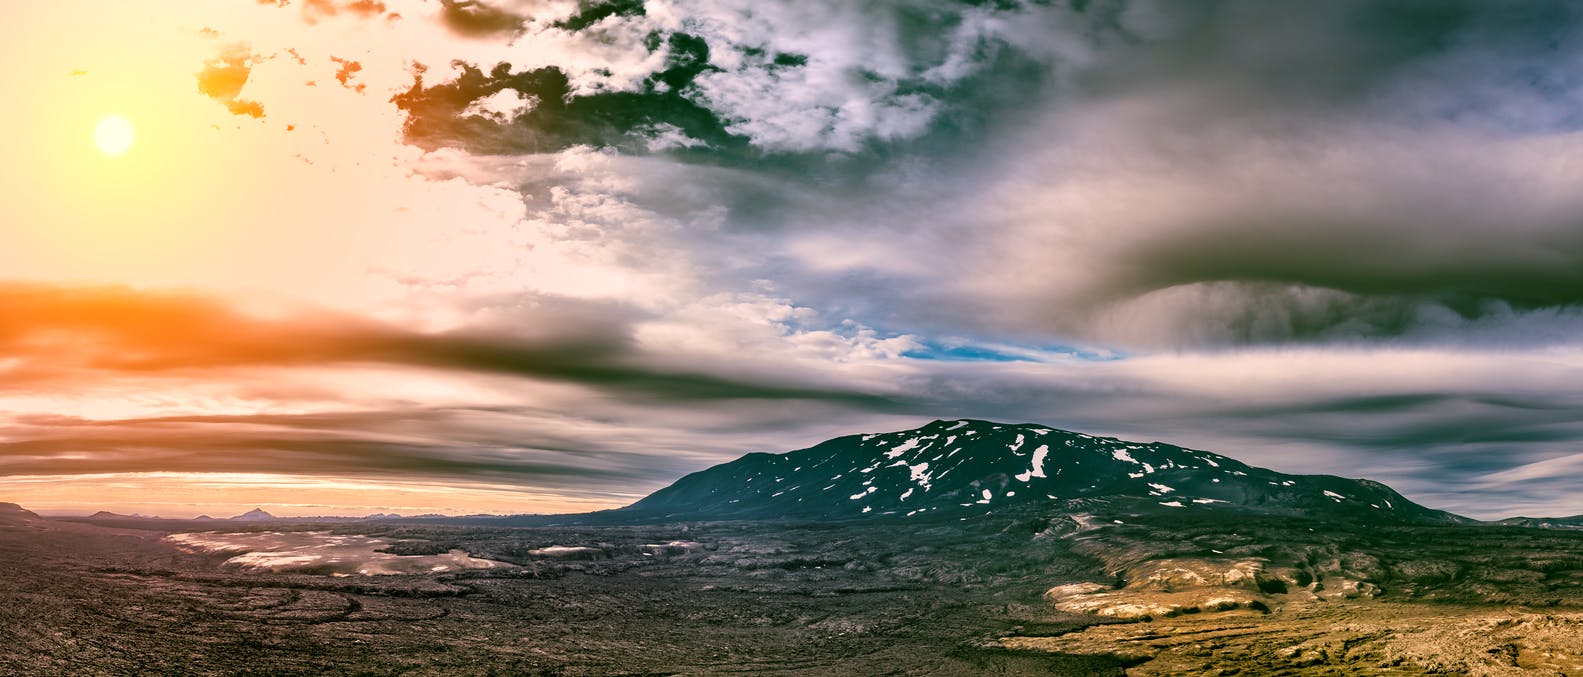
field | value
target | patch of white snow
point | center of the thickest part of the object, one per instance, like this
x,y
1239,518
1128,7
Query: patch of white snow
x,y
902,448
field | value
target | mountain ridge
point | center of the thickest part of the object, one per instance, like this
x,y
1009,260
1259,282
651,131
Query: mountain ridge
x,y
967,466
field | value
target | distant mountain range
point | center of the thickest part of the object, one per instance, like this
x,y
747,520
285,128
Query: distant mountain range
x,y
964,468
1573,522
969,467
257,514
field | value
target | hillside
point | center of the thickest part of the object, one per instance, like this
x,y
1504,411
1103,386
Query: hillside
x,y
969,467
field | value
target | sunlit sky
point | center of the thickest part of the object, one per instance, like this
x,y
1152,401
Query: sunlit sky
x,y
458,256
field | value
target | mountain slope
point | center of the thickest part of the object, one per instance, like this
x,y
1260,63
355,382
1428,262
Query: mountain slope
x,y
972,467
12,511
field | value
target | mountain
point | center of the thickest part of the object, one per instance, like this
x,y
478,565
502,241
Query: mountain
x,y
969,467
1573,522
12,511
254,515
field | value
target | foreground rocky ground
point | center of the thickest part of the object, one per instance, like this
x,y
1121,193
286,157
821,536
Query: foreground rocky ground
x,y
1255,596
1110,589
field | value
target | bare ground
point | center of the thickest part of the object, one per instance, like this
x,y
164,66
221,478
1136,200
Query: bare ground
x,y
1009,594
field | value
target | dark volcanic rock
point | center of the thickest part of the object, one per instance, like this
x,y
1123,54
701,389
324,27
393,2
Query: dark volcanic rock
x,y
974,467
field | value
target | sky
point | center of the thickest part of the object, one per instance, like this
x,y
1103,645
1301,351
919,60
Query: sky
x,y
510,256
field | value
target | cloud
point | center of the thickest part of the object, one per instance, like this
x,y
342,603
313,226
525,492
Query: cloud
x,y
315,10
557,118
223,78
1222,175
815,78
474,19
388,444
54,333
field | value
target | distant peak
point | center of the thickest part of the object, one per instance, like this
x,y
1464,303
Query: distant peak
x,y
14,509
254,514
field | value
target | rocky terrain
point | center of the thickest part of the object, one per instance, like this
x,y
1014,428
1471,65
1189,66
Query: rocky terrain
x,y
1103,572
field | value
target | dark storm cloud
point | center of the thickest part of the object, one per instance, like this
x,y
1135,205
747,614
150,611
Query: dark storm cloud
x,y
1460,262
734,86
1419,423
1397,195
66,334
1332,171
555,117
1258,58
1243,173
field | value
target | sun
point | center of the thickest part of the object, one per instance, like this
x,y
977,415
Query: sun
x,y
113,135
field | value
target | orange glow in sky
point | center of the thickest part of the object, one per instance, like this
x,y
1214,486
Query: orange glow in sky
x,y
207,150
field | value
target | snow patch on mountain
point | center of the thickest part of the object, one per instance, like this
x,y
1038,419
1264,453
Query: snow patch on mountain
x,y
1038,464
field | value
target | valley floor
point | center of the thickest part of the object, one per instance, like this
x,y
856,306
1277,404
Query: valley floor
x,y
938,598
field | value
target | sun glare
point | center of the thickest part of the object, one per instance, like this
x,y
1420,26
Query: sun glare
x,y
113,135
